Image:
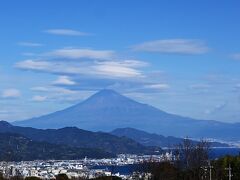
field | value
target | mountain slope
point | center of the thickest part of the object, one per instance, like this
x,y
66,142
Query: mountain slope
x,y
108,110
147,139
100,112
75,137
151,139
14,147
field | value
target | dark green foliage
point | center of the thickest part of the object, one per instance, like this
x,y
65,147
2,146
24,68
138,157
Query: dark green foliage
x,y
192,158
108,178
163,171
15,147
1,176
221,164
16,178
172,170
75,137
62,177
32,178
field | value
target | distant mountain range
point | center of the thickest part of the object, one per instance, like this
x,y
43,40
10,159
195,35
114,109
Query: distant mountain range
x,y
108,110
74,137
151,139
15,147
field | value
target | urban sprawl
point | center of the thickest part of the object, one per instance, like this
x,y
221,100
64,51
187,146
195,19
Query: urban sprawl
x,y
83,168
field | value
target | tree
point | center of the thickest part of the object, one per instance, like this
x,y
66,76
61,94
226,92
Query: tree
x,y
163,171
221,164
192,155
32,178
16,178
1,176
190,158
108,178
62,177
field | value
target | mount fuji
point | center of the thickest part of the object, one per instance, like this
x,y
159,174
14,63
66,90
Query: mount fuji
x,y
107,110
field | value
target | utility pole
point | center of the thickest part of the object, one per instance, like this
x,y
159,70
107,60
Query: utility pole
x,y
229,169
205,169
210,170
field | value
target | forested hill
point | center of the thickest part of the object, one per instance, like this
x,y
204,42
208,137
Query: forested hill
x,y
14,147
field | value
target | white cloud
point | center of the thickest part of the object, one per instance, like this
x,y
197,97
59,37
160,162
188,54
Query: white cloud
x,y
129,63
59,94
66,32
38,98
118,69
51,67
64,80
217,108
54,90
100,70
30,44
99,64
40,89
97,69
173,46
11,93
76,53
115,71
157,86
33,65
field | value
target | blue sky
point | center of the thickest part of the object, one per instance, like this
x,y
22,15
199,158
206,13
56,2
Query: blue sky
x,y
180,56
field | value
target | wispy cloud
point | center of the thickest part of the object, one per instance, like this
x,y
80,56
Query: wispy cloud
x,y
4,112
52,89
66,32
33,65
30,44
59,94
92,70
200,86
106,69
64,80
55,67
11,93
217,108
235,56
236,87
114,70
76,53
157,86
173,46
39,98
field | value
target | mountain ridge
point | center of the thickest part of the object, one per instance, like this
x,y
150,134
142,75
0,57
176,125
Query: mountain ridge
x,y
75,137
152,139
16,147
